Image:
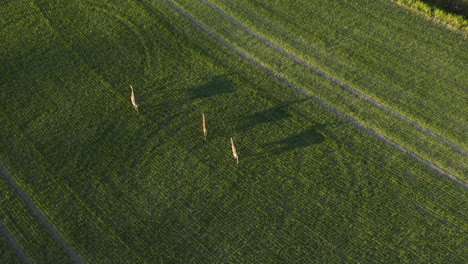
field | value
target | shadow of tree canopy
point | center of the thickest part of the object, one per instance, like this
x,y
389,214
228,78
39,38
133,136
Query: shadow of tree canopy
x,y
311,136
457,7
216,86
271,115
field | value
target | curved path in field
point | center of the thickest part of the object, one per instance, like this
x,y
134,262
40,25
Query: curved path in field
x,y
336,81
13,244
317,100
35,212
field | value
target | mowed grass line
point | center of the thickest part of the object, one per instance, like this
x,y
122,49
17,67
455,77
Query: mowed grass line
x,y
310,187
338,82
24,233
36,213
421,78
8,253
11,242
404,134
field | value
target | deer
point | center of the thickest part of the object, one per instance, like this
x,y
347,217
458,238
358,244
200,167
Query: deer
x,y
205,129
132,97
234,151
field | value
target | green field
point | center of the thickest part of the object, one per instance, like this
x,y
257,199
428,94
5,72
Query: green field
x,y
445,156
311,187
8,254
415,68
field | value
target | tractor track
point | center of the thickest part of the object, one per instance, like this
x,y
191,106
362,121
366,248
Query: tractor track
x,y
13,244
346,87
37,213
316,99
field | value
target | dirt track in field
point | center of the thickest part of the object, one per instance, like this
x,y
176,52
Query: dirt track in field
x,y
336,81
315,99
13,244
36,213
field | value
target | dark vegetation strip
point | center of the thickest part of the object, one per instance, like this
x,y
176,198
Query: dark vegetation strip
x,y
458,7
34,211
317,100
12,242
336,81
452,14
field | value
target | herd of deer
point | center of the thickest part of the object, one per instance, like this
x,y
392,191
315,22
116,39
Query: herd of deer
x,y
205,128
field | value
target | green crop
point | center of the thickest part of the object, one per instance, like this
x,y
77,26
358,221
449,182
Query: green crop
x,y
128,187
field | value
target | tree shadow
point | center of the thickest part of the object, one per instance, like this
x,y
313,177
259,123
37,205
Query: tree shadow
x,y
271,115
457,7
217,85
311,136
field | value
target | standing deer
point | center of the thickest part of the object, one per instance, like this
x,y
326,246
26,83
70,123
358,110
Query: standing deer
x,y
234,150
134,102
205,129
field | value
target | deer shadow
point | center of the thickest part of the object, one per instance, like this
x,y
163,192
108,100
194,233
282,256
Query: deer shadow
x,y
311,136
271,115
216,86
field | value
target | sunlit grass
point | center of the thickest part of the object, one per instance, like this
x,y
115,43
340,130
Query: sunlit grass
x,y
123,186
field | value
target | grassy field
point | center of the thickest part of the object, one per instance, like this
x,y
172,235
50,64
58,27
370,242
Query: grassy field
x,y
427,146
146,187
402,60
26,230
7,253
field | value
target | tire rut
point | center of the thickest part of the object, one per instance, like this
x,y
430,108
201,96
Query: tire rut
x,y
13,244
346,87
316,99
37,213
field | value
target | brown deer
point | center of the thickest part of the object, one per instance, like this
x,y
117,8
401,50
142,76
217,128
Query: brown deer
x,y
234,150
205,129
134,102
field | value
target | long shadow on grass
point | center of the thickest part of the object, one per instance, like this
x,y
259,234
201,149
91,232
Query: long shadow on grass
x,y
271,115
216,86
311,136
